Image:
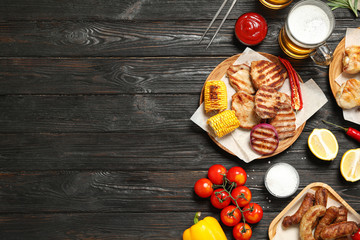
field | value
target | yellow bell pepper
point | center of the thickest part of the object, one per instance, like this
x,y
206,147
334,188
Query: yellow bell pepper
x,y
206,229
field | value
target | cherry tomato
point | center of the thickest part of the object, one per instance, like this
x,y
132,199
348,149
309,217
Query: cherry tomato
x,y
216,173
242,231
356,236
242,194
230,215
253,213
220,198
237,175
203,187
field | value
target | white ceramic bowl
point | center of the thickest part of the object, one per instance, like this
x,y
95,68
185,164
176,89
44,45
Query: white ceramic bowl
x,y
282,180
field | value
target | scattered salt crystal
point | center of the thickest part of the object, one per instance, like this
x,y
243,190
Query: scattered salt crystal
x,y
282,180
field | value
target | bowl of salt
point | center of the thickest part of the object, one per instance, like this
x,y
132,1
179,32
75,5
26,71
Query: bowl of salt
x,y
282,180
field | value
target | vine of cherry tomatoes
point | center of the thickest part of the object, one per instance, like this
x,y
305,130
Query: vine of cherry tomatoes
x,y
227,192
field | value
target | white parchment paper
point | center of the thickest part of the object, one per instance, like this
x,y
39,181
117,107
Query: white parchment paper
x,y
238,142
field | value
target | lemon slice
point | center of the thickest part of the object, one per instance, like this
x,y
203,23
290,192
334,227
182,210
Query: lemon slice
x,y
350,165
323,144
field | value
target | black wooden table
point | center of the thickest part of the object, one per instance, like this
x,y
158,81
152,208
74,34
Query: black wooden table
x,y
96,99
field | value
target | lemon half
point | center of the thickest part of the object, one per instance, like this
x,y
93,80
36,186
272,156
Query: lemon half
x,y
323,144
350,165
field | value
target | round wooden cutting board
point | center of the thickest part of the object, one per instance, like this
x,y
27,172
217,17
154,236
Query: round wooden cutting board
x,y
219,72
335,68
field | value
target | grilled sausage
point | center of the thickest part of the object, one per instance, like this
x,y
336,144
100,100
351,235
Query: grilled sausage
x,y
308,221
342,216
330,215
296,218
338,230
321,196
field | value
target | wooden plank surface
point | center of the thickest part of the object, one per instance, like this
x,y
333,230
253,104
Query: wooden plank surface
x,y
103,226
108,191
132,39
133,10
120,75
96,97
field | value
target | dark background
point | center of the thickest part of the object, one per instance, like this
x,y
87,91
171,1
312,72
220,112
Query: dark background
x,y
96,97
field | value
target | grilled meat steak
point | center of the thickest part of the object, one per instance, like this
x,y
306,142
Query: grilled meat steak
x,y
239,78
267,102
244,106
267,73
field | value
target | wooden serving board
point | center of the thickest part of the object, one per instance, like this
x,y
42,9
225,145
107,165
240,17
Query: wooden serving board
x,y
275,228
335,68
219,72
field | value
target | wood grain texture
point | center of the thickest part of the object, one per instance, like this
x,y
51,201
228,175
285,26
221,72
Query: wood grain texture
x,y
109,200
120,75
118,191
107,113
133,10
105,226
189,150
96,97
132,39
103,76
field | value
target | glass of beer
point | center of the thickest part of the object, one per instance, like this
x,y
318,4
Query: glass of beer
x,y
276,4
308,25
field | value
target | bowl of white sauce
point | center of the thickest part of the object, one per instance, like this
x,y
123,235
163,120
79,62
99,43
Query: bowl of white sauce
x,y
282,180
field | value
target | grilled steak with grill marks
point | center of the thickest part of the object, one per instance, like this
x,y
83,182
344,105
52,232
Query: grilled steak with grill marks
x,y
284,121
267,73
267,102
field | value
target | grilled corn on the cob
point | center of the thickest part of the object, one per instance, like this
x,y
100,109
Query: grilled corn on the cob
x,y
224,123
215,96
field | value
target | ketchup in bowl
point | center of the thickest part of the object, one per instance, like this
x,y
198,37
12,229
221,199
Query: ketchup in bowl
x,y
251,28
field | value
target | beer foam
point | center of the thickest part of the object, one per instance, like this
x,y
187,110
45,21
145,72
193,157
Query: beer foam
x,y
309,24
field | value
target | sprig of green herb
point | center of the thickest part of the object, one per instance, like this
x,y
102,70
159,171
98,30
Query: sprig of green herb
x,y
350,4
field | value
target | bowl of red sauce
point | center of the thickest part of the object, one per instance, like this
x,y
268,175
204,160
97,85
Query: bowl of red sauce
x,y
251,28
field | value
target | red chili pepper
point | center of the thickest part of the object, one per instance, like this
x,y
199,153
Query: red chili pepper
x,y
351,132
296,96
